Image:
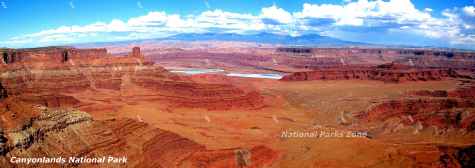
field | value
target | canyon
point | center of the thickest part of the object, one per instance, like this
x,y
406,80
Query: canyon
x,y
415,106
38,110
387,73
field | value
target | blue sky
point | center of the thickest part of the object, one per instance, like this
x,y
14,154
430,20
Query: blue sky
x,y
31,23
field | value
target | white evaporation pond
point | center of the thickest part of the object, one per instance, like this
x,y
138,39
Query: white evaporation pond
x,y
254,75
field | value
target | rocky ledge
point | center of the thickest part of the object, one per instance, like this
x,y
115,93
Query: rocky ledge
x,y
387,73
71,133
39,74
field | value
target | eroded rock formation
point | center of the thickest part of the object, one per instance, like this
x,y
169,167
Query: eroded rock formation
x,y
72,133
462,92
48,71
381,52
50,55
387,73
437,112
441,109
39,115
187,93
136,52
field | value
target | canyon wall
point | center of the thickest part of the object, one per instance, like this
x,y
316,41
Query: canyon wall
x,y
136,52
39,117
422,58
389,73
86,69
72,133
50,54
241,59
184,92
445,110
350,52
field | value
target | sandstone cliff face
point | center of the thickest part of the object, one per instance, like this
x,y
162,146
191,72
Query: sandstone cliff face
x,y
436,112
181,90
452,109
136,52
420,58
27,81
50,55
38,115
462,92
439,62
295,59
72,133
86,69
432,115
184,92
380,52
383,73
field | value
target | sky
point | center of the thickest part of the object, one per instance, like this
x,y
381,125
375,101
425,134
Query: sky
x,y
439,23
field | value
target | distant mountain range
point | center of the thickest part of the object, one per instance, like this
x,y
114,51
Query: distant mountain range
x,y
310,40
268,38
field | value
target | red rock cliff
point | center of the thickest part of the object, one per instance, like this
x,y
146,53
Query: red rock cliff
x,y
382,73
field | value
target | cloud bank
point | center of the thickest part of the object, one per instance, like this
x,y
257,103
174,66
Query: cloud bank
x,y
373,21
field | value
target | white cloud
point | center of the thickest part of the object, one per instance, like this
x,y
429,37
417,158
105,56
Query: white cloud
x,y
355,13
139,5
235,22
392,15
469,10
154,24
401,14
276,13
151,19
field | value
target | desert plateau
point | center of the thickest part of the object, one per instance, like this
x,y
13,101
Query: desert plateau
x,y
95,103
251,84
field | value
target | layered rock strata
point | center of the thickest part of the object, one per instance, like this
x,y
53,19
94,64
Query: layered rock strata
x,y
441,109
380,73
93,69
65,133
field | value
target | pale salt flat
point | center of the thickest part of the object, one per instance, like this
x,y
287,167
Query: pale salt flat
x,y
253,75
193,71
